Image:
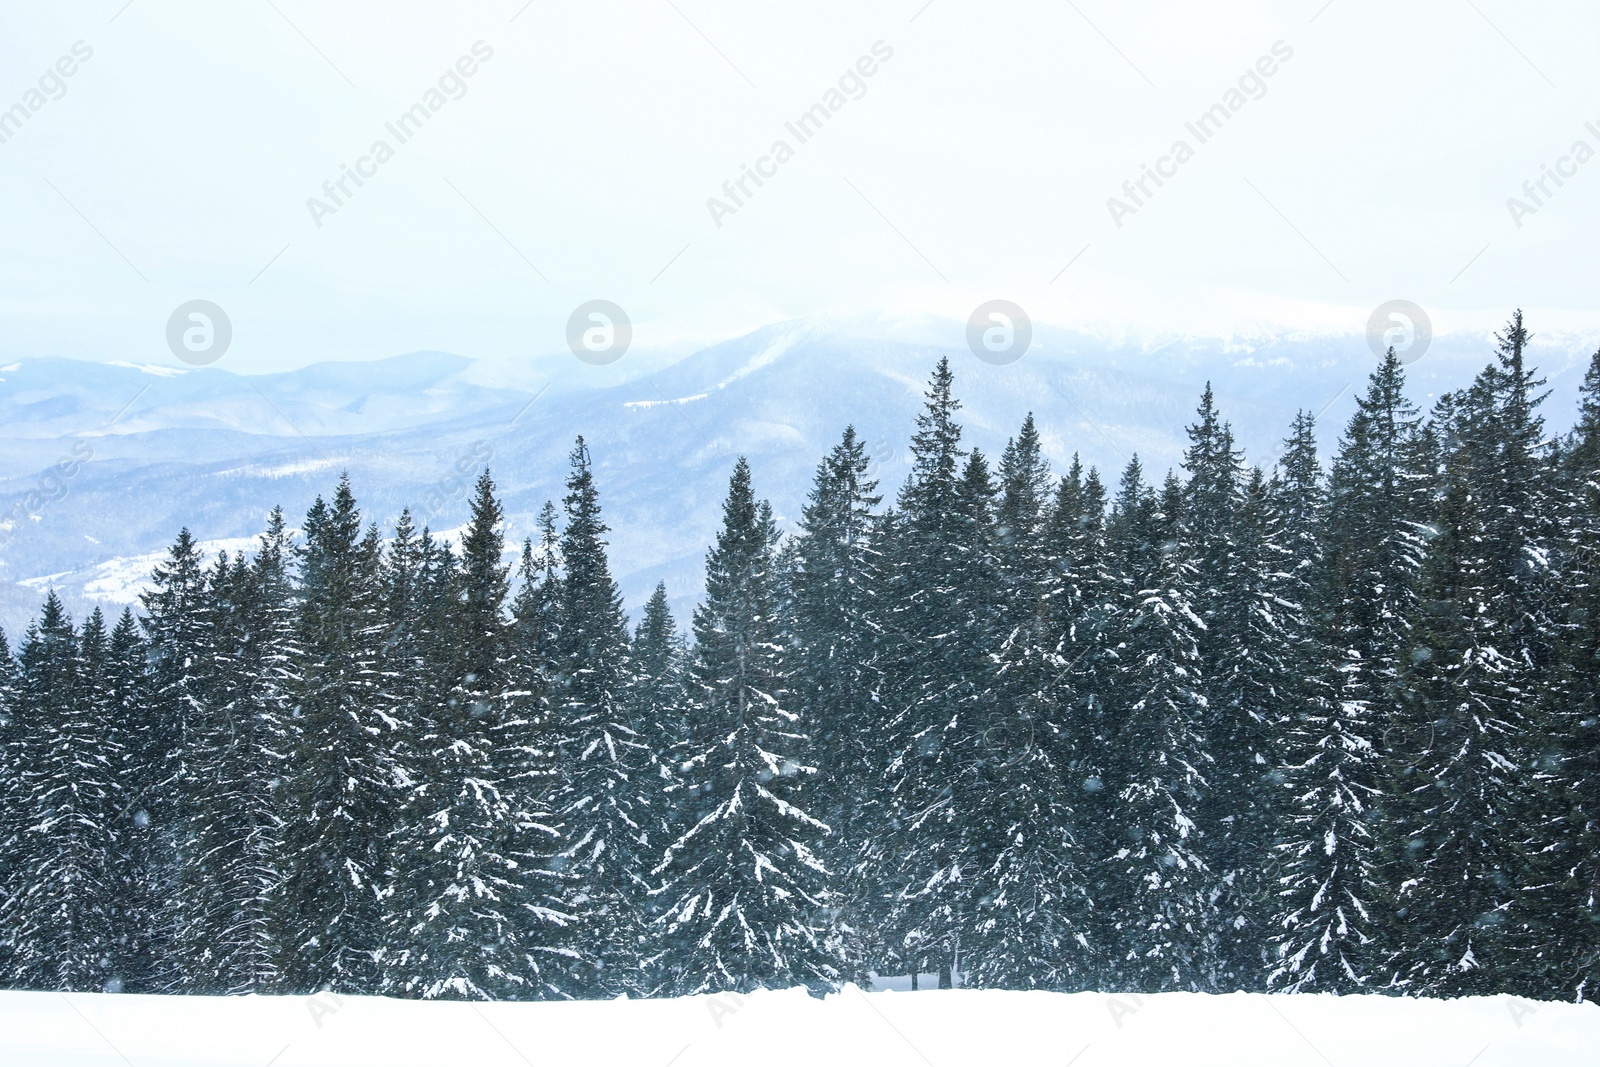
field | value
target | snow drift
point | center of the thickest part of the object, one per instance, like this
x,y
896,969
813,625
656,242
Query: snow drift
x,y
927,1029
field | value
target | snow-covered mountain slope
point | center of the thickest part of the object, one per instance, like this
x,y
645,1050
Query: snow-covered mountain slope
x,y
942,1028
101,464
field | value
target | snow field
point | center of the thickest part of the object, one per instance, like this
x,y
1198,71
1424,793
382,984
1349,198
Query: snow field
x,y
926,1029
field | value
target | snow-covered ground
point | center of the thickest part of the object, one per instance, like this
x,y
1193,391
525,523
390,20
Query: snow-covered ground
x,y
925,1029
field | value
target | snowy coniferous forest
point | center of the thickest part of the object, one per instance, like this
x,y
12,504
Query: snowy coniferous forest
x,y
1332,726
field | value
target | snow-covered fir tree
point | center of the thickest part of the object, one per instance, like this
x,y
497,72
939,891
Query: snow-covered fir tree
x,y
1480,646
180,655
1030,885
935,652
229,766
834,631
660,705
525,757
338,779
663,709
1328,882
1224,529
60,909
745,889
11,821
135,902
1154,887
1572,865
604,800
1080,592
456,886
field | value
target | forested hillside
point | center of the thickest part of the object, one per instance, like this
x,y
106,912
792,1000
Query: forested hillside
x,y
1328,726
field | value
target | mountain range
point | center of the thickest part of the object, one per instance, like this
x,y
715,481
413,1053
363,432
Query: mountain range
x,y
102,463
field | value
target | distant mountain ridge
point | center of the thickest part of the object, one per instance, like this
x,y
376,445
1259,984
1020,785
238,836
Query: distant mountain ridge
x,y
204,448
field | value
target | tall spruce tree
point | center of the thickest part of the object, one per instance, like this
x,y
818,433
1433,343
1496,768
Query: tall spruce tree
x,y
457,882
1080,594
526,752
834,629
1223,522
135,900
604,803
1572,865
1248,695
1380,489
746,890
1476,655
663,709
338,781
1154,887
61,906
930,664
181,656
224,942
11,824
1029,922
660,703
1329,884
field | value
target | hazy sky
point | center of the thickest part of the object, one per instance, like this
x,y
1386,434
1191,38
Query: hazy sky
x,y
976,160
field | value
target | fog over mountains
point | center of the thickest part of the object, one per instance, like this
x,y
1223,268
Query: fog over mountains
x,y
102,463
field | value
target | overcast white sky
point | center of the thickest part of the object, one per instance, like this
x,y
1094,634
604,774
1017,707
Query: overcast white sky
x,y
1376,164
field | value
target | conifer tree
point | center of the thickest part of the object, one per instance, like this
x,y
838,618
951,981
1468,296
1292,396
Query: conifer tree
x,y
11,824
603,805
1477,652
1080,593
745,888
458,885
526,750
1030,892
835,622
1249,692
1379,490
1573,697
224,941
415,594
60,908
1223,523
930,662
535,624
662,708
660,701
338,783
1329,885
1155,889
136,905
181,655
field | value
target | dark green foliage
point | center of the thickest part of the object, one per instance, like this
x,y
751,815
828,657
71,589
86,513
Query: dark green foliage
x,y
1572,867
1466,812
1327,885
745,890
337,794
453,916
1030,888
934,650
604,796
1154,890
835,623
60,904
224,940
